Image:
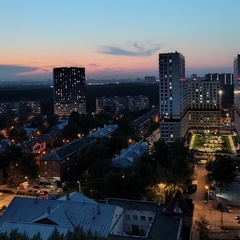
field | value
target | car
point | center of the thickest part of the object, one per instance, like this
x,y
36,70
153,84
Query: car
x,y
222,207
229,209
237,217
43,192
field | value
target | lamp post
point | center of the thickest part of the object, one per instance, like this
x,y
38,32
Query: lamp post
x,y
79,186
207,189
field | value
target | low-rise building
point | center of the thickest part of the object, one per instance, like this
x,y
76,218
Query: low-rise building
x,y
117,219
56,165
128,157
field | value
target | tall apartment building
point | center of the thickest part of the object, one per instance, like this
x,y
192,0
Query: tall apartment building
x,y
224,78
237,93
69,90
204,104
173,96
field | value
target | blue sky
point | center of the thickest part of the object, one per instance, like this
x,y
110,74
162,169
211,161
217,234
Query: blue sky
x,y
116,38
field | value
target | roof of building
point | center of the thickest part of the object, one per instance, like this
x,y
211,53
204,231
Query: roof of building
x,y
105,218
177,204
43,138
93,216
67,150
163,227
32,228
76,197
130,155
143,119
103,132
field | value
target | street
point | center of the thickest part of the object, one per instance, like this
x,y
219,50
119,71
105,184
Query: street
x,y
214,216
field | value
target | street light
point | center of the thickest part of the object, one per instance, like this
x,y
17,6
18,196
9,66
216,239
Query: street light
x,y
79,186
207,189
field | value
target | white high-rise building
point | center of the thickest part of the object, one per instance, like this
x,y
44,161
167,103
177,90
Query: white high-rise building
x,y
173,97
204,104
236,83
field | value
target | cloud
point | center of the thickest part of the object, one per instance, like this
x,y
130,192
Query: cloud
x,y
131,49
15,71
94,65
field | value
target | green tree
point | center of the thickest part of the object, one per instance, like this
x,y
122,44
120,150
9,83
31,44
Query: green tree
x,y
56,235
201,225
223,169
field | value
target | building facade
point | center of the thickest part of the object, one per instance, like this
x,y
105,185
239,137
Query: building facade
x,y
116,104
69,90
173,96
204,104
237,93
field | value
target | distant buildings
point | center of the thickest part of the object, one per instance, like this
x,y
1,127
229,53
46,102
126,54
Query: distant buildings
x,y
150,79
224,78
69,90
116,104
237,93
19,107
173,96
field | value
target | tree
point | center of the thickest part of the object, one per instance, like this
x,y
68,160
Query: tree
x,y
223,169
56,235
201,225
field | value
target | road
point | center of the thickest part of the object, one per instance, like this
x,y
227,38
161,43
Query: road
x,y
216,218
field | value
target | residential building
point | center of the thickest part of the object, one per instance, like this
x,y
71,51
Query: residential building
x,y
128,157
111,218
57,165
237,94
20,107
116,104
69,90
204,104
106,132
226,79
143,124
173,96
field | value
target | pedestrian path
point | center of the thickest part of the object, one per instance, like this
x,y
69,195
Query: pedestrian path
x,y
192,141
232,144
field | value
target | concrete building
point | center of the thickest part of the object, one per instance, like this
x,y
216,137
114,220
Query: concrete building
x,y
69,90
226,79
237,93
173,99
111,218
116,104
204,104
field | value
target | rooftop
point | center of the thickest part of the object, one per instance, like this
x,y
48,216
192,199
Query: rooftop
x,y
130,155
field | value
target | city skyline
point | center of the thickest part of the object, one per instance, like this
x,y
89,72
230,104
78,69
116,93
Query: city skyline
x,y
116,39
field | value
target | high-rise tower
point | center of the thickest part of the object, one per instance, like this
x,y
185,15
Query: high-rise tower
x,y
173,96
69,90
236,83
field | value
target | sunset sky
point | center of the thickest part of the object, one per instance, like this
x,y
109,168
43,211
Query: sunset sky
x,y
116,38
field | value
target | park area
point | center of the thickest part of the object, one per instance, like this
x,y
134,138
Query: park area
x,y
215,143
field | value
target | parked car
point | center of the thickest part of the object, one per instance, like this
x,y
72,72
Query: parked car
x,y
224,208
